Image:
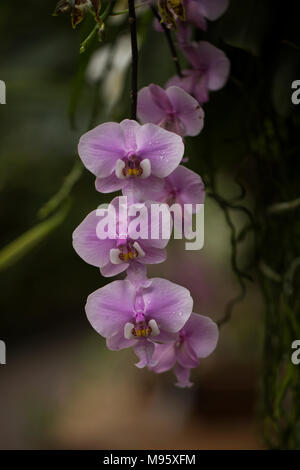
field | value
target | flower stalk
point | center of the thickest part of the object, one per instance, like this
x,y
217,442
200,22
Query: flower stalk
x,y
134,65
170,42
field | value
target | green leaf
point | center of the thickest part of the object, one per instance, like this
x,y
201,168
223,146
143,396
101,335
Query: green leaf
x,y
19,247
63,192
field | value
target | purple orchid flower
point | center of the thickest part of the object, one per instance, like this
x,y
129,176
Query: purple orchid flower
x,y
114,252
198,11
130,157
127,315
173,109
186,188
209,73
183,186
197,339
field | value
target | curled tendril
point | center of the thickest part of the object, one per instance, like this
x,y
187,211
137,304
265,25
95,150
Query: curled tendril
x,y
235,239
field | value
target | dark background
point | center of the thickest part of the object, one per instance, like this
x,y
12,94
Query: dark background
x,y
61,388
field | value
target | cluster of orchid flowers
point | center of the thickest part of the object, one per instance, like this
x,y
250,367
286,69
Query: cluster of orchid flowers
x,y
145,162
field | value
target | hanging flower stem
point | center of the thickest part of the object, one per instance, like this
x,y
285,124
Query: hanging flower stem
x,y
170,42
134,66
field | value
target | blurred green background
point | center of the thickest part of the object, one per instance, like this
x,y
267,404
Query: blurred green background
x,y
61,388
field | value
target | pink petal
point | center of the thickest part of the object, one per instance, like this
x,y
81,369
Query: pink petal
x,y
118,341
163,358
130,129
149,110
186,82
187,185
111,269
160,97
100,148
87,244
185,355
218,72
164,149
167,303
193,55
194,14
159,243
153,255
109,184
202,334
145,220
211,60
109,308
143,189
187,110
200,88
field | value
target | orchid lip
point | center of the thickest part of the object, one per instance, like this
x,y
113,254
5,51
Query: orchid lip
x,y
126,252
141,330
132,166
